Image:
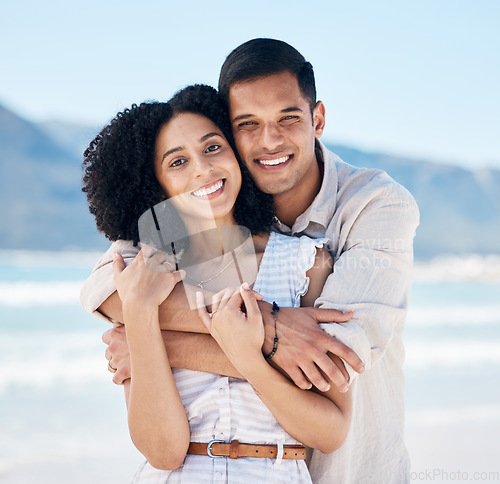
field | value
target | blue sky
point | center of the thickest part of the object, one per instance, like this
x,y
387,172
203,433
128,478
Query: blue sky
x,y
415,78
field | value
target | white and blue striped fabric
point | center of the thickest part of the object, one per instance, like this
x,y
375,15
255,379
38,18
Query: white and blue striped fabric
x,y
227,408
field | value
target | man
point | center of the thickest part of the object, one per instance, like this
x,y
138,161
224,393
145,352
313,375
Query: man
x,y
370,221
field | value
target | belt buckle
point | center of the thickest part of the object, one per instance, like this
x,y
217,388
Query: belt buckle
x,y
209,448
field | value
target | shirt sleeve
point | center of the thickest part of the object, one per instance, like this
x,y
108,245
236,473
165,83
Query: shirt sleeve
x,y
100,284
372,276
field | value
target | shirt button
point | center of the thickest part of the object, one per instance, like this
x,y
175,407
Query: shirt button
x,y
222,391
218,475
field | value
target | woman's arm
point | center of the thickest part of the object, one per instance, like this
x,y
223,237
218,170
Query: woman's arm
x,y
319,420
157,421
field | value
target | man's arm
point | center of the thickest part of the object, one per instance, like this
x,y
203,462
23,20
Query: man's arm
x,y
372,276
199,352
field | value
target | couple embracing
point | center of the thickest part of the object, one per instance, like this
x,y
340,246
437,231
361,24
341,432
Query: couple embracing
x,y
263,341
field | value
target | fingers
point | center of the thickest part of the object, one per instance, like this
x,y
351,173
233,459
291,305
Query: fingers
x,y
106,336
258,296
178,275
326,315
250,300
221,296
313,374
299,379
343,351
118,379
118,263
335,373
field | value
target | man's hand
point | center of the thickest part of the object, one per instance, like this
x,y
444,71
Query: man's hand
x,y
117,353
303,347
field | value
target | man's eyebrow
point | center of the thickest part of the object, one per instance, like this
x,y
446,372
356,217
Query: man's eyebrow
x,y
242,116
291,109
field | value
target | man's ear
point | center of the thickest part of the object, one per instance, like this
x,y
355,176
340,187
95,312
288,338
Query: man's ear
x,y
319,119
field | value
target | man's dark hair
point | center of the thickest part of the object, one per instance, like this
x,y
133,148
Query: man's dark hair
x,y
259,58
119,177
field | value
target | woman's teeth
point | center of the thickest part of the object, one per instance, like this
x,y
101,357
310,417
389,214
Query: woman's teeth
x,y
203,192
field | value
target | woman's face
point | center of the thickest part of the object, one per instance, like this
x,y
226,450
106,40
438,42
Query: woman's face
x,y
196,165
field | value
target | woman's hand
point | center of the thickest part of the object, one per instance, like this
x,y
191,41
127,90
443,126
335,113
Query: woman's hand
x,y
239,335
140,287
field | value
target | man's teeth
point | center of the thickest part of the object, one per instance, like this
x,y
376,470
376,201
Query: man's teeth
x,y
277,161
203,192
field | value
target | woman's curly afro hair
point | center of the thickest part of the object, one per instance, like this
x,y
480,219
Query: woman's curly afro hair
x,y
119,177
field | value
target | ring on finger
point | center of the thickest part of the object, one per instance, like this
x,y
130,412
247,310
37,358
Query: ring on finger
x,y
110,368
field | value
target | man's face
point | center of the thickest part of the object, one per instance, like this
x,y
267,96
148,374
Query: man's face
x,y
275,132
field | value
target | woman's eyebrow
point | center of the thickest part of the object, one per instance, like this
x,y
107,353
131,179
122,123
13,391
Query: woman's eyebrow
x,y
169,152
180,148
209,135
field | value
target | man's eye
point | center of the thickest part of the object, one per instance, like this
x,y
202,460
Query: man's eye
x,y
247,125
212,148
288,120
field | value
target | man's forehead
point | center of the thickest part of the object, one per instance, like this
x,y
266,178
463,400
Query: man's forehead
x,y
277,92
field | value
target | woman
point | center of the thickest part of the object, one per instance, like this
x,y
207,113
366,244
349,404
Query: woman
x,y
164,151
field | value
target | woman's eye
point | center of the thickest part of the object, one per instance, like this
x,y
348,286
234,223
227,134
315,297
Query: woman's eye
x,y
176,163
212,148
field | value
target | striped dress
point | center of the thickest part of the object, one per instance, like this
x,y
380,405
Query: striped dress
x,y
226,408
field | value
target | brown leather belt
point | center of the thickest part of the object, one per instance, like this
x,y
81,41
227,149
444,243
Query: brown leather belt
x,y
234,450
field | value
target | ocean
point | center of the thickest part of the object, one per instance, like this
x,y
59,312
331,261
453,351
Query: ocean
x,y
62,418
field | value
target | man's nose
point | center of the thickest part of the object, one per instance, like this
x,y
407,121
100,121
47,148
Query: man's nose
x,y
271,137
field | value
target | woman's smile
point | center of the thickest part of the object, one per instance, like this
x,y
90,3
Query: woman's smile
x,y
210,191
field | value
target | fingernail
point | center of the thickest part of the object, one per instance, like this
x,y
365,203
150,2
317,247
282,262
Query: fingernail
x,y
327,388
114,255
245,286
362,369
344,389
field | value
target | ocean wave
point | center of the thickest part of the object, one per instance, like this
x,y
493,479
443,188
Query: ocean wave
x,y
49,259
469,267
43,293
456,315
449,353
452,416
51,358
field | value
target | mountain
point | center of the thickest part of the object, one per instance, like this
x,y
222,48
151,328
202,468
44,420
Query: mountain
x,y
459,208
44,208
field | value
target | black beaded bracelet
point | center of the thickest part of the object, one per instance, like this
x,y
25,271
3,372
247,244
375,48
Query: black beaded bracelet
x,y
275,310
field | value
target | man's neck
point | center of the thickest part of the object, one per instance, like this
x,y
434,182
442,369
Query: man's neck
x,y
290,205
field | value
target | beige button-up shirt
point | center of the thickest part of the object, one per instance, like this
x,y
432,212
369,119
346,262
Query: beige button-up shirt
x,y
370,221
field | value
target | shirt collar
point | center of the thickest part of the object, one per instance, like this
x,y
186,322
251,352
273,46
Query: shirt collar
x,y
324,204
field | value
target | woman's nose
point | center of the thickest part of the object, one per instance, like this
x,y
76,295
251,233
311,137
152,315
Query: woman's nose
x,y
203,165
